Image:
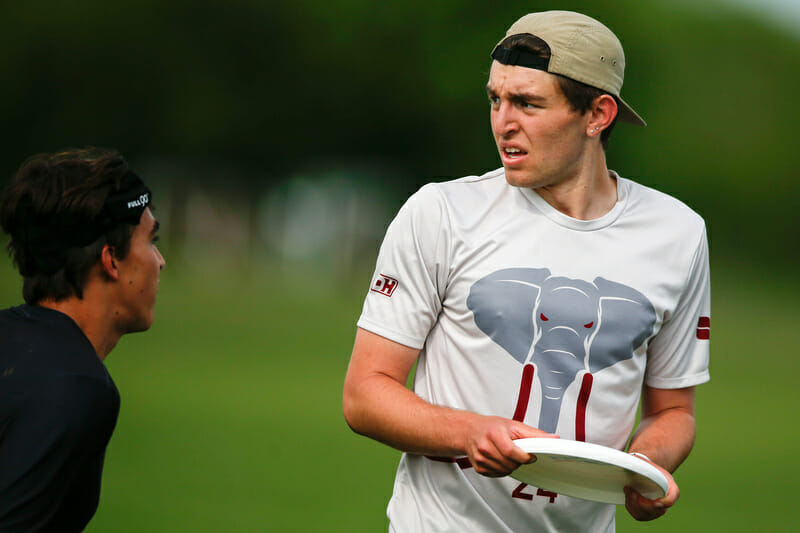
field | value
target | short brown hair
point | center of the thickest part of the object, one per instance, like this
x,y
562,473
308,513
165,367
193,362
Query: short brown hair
x,y
579,95
50,191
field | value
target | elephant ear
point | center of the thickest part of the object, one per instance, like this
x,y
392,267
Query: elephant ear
x,y
503,304
625,320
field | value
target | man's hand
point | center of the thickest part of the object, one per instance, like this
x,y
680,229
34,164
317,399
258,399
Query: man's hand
x,y
643,509
490,448
665,434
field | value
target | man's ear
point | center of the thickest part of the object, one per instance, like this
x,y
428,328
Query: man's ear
x,y
604,111
109,263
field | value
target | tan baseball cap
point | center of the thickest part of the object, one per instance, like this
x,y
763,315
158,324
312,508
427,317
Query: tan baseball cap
x,y
581,48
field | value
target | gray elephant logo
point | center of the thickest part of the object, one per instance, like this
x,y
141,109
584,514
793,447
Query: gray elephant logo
x,y
558,327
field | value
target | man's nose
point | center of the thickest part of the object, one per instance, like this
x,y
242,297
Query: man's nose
x,y
505,120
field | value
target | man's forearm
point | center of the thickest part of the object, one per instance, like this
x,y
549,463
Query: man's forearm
x,y
665,438
385,410
377,404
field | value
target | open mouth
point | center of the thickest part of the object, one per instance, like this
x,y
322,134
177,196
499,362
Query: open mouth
x,y
511,153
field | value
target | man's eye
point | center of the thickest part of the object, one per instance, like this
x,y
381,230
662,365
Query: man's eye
x,y
494,100
155,239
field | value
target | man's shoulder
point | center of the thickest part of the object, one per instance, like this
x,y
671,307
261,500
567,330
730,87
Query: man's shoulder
x,y
76,393
36,317
660,205
469,196
38,344
72,407
493,178
460,189
11,314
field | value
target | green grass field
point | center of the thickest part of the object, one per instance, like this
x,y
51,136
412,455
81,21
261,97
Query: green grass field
x,y
231,411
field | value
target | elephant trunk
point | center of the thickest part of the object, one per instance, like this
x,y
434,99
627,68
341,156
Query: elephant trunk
x,y
558,359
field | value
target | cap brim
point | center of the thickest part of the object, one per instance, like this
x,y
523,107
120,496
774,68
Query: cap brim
x,y
626,113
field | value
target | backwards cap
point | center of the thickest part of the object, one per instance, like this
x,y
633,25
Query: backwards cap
x,y
581,49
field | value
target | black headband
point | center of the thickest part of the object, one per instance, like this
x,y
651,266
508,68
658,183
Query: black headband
x,y
48,239
508,56
126,205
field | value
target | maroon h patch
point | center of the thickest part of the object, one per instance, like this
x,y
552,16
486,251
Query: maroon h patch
x,y
384,285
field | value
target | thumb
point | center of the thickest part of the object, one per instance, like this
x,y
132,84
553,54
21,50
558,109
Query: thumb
x,y
523,431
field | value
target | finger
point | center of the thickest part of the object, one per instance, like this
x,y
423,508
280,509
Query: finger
x,y
491,461
520,456
641,508
486,462
502,448
492,468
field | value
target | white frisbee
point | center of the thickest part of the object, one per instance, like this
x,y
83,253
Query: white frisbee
x,y
588,471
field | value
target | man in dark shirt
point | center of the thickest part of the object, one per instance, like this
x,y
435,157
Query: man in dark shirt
x,y
83,239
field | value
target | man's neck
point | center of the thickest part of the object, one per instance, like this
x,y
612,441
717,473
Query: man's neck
x,y
588,196
93,318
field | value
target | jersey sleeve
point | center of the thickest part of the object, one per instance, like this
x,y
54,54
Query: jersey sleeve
x,y
51,453
407,288
679,354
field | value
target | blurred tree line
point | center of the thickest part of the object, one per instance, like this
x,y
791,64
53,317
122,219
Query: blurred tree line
x,y
270,88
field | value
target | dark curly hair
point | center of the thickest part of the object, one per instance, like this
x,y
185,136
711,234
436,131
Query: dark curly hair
x,y
49,195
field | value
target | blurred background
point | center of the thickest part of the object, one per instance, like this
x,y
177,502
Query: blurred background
x,y
281,137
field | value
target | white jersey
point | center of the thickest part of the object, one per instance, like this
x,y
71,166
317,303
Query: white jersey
x,y
523,312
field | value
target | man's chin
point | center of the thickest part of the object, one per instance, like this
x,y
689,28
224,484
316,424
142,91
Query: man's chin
x,y
516,178
139,325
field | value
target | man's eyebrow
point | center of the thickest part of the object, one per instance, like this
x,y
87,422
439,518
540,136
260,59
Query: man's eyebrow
x,y
519,96
156,225
527,97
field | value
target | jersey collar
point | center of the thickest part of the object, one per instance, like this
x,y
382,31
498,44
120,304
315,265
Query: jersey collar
x,y
581,225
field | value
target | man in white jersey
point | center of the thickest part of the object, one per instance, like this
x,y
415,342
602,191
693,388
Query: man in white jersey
x,y
542,299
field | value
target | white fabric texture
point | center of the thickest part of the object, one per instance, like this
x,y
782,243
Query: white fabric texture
x,y
453,264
